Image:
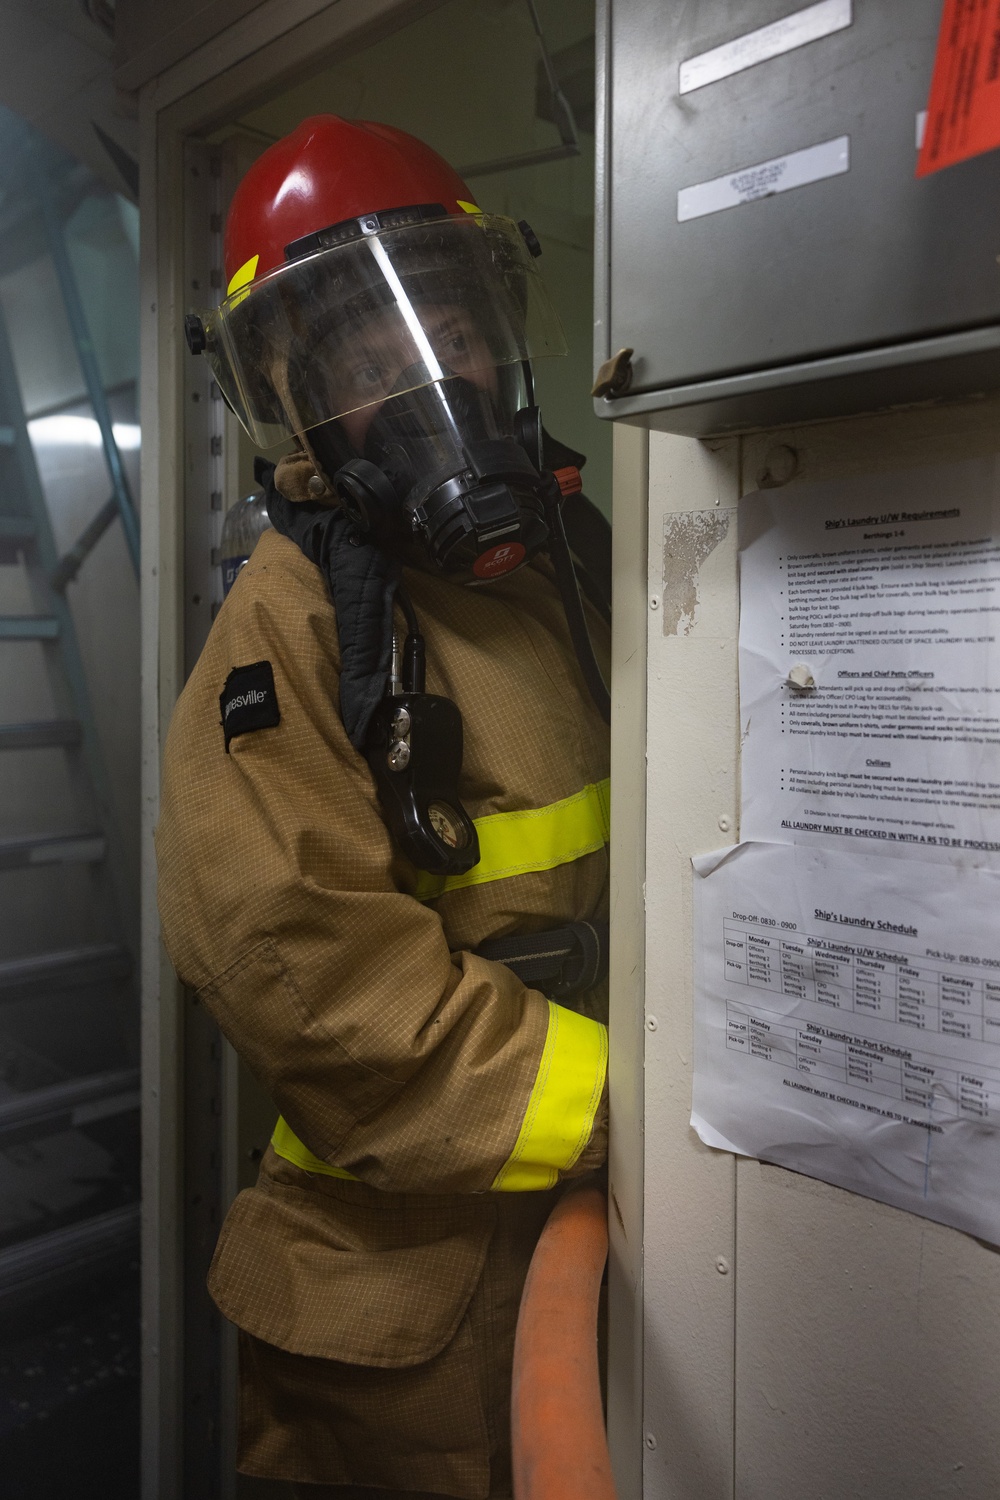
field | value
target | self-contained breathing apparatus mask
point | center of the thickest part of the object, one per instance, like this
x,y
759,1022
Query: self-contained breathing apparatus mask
x,y
396,348
441,469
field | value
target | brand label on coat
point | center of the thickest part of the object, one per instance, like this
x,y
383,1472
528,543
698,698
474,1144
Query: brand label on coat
x,y
765,178
248,701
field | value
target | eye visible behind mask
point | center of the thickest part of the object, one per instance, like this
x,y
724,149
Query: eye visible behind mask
x,y
439,470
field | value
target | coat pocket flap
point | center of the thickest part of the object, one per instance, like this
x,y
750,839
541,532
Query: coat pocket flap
x,y
360,1281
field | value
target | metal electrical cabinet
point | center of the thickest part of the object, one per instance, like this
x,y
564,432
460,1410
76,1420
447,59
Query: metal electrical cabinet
x,y
769,253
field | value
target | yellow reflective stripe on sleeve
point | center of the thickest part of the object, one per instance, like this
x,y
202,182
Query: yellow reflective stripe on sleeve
x,y
287,1144
557,1122
560,1115
539,838
243,276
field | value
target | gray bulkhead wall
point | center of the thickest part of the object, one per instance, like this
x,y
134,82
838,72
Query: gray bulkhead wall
x,y
772,1337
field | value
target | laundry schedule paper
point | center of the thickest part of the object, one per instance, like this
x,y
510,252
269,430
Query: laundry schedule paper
x,y
847,1023
869,665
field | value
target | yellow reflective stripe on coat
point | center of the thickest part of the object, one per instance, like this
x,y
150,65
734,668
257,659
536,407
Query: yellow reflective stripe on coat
x,y
287,1144
564,1101
538,838
557,1123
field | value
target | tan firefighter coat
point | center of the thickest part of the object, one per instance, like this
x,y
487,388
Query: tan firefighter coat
x,y
399,1062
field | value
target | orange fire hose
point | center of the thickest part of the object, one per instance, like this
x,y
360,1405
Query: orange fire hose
x,y
560,1449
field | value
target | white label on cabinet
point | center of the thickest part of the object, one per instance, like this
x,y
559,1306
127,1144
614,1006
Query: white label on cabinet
x,y
766,178
766,42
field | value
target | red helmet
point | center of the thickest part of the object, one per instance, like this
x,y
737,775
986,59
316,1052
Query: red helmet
x,y
327,171
355,258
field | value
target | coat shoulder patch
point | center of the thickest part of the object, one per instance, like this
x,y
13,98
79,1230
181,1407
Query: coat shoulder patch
x,y
249,701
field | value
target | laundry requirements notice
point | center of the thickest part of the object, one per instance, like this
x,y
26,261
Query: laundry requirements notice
x,y
869,661
847,1014
848,1023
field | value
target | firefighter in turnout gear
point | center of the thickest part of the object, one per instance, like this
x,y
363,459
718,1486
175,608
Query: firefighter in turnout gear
x,y
382,842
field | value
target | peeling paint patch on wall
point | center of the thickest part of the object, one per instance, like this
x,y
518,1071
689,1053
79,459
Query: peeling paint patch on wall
x,y
688,539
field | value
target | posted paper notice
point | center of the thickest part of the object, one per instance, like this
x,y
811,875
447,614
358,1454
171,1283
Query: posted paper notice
x,y
847,1024
869,663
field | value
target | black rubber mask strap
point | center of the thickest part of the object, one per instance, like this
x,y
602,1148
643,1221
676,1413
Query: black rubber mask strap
x,y
361,581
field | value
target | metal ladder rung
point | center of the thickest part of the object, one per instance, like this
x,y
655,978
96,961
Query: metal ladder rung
x,y
68,967
40,1266
41,735
52,849
79,1101
28,627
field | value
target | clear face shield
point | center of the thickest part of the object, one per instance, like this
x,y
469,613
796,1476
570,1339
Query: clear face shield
x,y
402,350
398,347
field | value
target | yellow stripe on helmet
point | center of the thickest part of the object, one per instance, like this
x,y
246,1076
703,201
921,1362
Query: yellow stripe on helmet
x,y
243,276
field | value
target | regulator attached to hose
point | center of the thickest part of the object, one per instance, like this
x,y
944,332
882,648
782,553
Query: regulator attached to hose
x,y
415,738
415,753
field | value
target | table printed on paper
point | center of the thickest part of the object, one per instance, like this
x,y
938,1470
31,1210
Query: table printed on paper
x,y
847,1016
